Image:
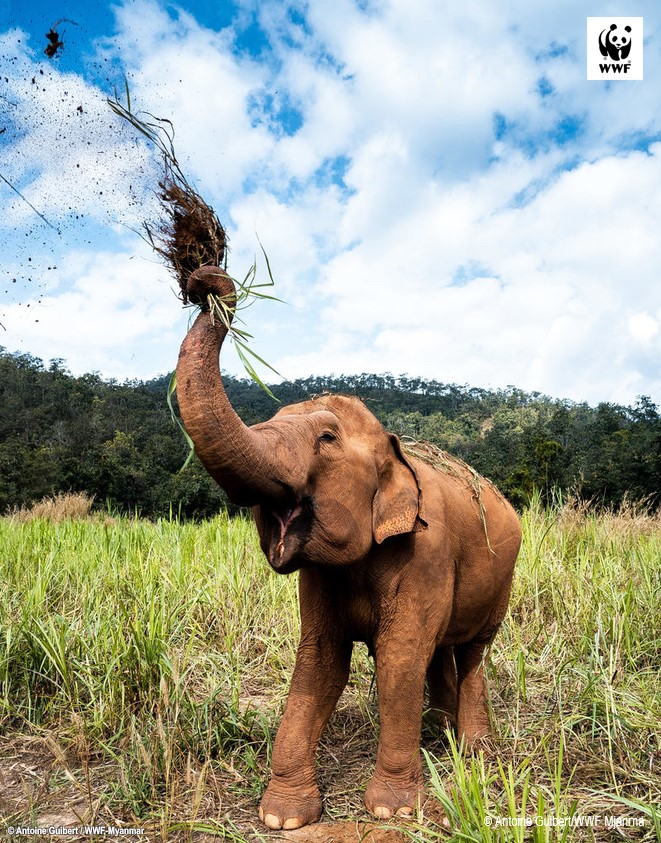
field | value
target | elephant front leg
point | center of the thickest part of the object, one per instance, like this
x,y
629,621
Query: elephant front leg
x,y
292,798
396,787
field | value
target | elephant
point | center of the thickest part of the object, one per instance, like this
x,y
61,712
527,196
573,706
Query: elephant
x,y
412,559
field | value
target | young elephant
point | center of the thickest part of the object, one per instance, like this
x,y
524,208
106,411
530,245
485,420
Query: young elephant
x,y
414,560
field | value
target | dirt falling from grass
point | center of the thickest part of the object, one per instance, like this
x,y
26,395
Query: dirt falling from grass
x,y
68,169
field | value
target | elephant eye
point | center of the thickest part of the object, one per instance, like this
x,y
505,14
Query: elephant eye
x,y
327,437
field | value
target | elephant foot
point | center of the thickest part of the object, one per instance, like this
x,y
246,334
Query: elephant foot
x,y
289,809
393,798
475,733
480,742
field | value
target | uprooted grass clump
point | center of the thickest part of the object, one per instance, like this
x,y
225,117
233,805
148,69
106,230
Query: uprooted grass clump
x,y
190,236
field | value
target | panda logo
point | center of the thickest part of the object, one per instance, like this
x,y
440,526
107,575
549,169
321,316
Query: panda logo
x,y
615,42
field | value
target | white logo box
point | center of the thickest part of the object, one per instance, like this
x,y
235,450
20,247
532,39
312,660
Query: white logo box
x,y
615,49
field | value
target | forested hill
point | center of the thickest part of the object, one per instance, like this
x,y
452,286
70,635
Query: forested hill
x,y
118,442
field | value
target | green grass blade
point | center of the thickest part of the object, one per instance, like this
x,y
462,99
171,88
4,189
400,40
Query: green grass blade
x,y
172,388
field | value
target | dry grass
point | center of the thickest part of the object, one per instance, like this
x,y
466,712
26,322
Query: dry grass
x,y
630,518
60,507
454,467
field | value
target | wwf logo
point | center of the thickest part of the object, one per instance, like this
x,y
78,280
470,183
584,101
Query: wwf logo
x,y
615,42
615,48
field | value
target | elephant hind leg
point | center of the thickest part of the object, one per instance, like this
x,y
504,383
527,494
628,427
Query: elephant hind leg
x,y
472,700
442,683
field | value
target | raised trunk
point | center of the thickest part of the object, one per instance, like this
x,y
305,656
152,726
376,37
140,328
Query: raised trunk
x,y
239,458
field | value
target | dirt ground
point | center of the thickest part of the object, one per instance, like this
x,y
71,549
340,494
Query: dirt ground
x,y
344,832
41,786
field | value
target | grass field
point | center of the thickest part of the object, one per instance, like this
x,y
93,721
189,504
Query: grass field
x,y
144,667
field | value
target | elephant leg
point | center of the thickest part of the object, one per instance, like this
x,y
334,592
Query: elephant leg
x,y
472,709
292,797
442,683
397,786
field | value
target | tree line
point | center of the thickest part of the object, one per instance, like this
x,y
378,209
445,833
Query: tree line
x,y
118,441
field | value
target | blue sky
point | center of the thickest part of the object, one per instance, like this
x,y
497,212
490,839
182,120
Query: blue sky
x,y
440,191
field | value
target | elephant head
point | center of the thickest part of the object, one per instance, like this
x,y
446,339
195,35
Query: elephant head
x,y
324,478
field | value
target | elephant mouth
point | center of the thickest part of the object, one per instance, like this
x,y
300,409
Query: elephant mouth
x,y
289,530
284,522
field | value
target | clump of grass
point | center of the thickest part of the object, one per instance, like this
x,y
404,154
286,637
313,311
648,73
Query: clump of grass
x,y
191,236
455,467
60,507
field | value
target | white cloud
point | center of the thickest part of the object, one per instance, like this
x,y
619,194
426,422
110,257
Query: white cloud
x,y
109,312
179,70
643,327
564,270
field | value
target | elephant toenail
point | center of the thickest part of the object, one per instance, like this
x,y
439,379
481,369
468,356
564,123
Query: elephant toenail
x,y
261,813
272,821
404,812
292,822
382,813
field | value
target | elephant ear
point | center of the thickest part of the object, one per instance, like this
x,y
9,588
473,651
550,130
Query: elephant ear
x,y
397,506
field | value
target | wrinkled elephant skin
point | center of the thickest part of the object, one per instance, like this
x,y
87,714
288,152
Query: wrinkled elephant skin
x,y
390,551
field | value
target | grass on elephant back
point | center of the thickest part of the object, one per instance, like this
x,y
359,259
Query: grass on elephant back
x,y
144,667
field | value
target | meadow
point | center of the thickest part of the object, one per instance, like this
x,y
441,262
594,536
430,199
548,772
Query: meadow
x,y
144,668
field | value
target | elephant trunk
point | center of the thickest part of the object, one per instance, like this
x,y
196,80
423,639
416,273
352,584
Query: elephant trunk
x,y
239,458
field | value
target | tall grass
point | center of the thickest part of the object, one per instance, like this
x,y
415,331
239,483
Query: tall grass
x,y
143,642
155,657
